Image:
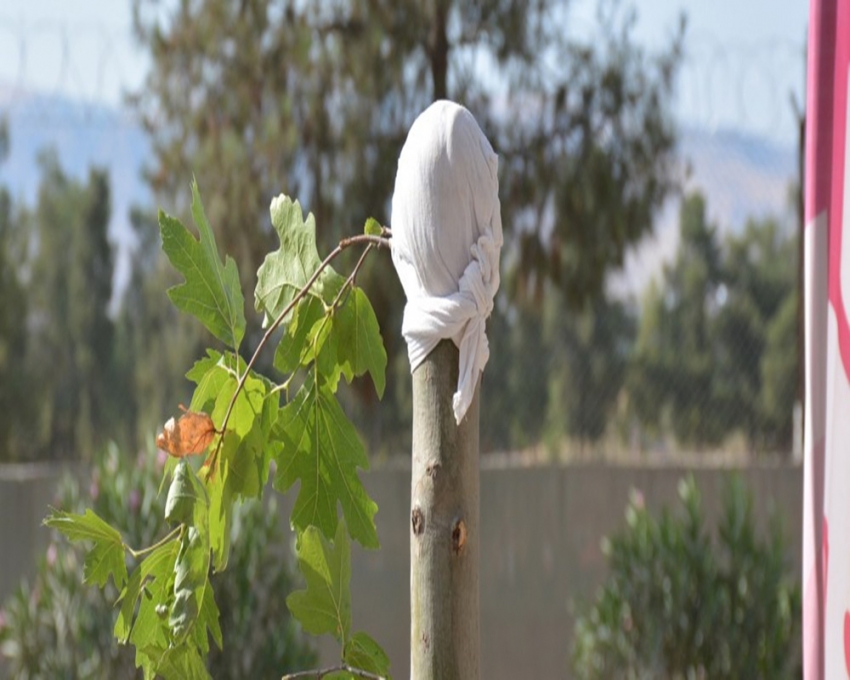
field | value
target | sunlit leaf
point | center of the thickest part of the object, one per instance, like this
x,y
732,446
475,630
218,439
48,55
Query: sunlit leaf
x,y
106,556
359,346
242,468
362,652
191,572
372,227
127,599
287,357
186,502
211,292
150,630
287,270
325,605
319,446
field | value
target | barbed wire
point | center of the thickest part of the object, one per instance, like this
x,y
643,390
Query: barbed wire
x,y
747,85
65,82
722,84
90,65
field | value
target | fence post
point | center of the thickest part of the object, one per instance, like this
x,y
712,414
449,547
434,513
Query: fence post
x,y
444,637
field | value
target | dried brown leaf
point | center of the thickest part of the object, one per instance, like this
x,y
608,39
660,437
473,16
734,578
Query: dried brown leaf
x,y
190,434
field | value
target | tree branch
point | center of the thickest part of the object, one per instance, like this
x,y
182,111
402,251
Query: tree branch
x,y
144,551
322,672
359,239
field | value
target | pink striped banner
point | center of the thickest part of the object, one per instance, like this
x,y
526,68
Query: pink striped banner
x,y
826,510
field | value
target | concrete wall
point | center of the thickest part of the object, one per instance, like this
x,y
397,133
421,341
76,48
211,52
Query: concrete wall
x,y
540,553
540,549
26,491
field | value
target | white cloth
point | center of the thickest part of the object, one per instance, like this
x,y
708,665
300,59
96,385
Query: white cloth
x,y
447,238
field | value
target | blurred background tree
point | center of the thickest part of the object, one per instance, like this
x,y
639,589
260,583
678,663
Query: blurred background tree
x,y
716,347
315,99
13,330
56,334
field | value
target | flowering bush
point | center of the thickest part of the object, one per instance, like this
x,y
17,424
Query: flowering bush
x,y
56,627
677,604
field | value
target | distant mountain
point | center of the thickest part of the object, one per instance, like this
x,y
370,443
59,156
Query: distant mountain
x,y
741,175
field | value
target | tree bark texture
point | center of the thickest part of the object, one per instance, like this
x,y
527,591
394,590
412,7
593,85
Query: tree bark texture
x,y
444,524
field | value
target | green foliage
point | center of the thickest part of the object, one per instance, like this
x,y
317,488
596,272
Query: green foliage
x,y
167,608
716,348
106,556
287,270
212,292
361,651
57,628
558,380
320,447
372,227
57,340
13,379
325,606
678,604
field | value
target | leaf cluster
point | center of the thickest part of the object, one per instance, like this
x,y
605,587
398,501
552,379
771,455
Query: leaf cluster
x,y
250,427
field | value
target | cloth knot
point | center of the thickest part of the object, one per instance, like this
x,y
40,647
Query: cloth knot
x,y
447,239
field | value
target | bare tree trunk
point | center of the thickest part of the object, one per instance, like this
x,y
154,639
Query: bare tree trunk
x,y
438,50
444,625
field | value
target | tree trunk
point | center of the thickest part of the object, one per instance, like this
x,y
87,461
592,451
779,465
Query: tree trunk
x,y
438,50
444,630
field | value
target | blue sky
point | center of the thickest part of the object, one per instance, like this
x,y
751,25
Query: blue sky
x,y
744,57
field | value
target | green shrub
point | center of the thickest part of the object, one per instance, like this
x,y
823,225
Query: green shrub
x,y
59,628
678,604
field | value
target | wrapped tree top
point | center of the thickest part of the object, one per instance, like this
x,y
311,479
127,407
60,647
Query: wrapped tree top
x,y
447,238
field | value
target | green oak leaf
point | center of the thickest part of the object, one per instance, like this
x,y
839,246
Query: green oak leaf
x,y
183,662
210,375
287,356
244,448
127,599
242,468
345,341
319,446
362,652
372,227
191,571
208,620
321,347
150,630
203,366
287,270
221,516
106,556
325,606
359,345
186,502
211,292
